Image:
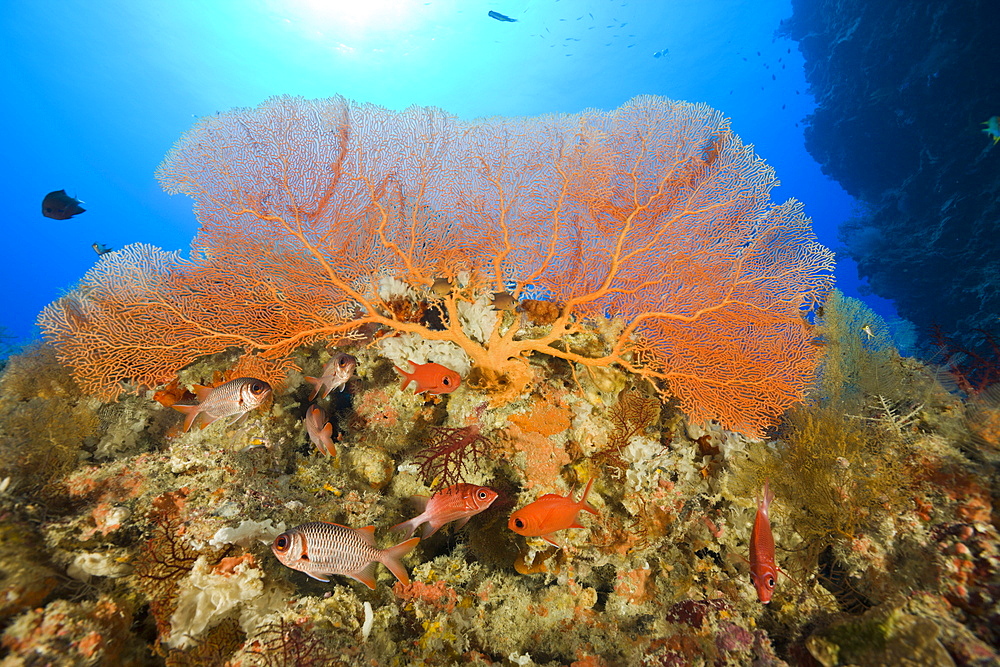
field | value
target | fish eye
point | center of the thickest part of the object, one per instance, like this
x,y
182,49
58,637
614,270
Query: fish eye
x,y
770,582
257,387
281,542
482,494
446,381
518,523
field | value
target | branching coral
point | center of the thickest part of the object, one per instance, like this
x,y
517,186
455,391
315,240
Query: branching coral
x,y
654,213
165,559
450,454
289,644
631,415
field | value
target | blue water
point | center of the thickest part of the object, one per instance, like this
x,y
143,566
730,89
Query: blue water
x,y
98,91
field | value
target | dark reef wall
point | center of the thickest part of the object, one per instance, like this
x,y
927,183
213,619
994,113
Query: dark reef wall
x,y
902,90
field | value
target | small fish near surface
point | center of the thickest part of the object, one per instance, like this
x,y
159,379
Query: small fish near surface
x,y
100,248
549,514
500,17
320,549
320,430
763,571
236,397
335,375
60,206
458,502
430,378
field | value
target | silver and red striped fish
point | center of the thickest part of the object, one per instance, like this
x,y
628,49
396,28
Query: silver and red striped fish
x,y
236,397
763,571
320,549
458,502
335,375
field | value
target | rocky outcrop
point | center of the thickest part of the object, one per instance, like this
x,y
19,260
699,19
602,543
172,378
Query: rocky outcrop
x,y
902,90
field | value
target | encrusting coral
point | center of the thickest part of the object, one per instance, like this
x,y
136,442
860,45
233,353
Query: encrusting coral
x,y
883,518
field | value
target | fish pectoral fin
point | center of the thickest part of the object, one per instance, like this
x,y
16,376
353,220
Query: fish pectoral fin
x,y
551,541
576,524
365,575
461,522
318,578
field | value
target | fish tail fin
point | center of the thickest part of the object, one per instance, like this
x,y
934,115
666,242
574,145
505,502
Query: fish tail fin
x,y
391,558
584,505
190,413
767,496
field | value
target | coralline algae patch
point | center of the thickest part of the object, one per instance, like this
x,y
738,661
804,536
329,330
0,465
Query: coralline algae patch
x,y
154,547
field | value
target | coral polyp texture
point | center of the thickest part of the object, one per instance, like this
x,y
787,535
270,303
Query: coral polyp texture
x,y
649,229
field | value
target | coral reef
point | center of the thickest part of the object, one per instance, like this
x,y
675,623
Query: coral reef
x,y
883,518
132,541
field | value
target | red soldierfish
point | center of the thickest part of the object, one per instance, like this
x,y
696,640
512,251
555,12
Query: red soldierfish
x,y
455,503
236,397
432,378
320,431
320,549
550,513
335,375
763,571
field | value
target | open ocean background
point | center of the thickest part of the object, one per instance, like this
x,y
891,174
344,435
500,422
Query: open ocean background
x,y
98,91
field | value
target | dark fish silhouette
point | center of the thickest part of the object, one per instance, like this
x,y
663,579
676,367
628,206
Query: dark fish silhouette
x,y
100,248
60,206
500,17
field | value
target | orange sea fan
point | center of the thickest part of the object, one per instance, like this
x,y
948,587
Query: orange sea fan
x,y
654,213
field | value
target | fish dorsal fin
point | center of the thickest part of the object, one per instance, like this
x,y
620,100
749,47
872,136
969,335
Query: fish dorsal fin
x,y
551,495
367,534
365,575
202,392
